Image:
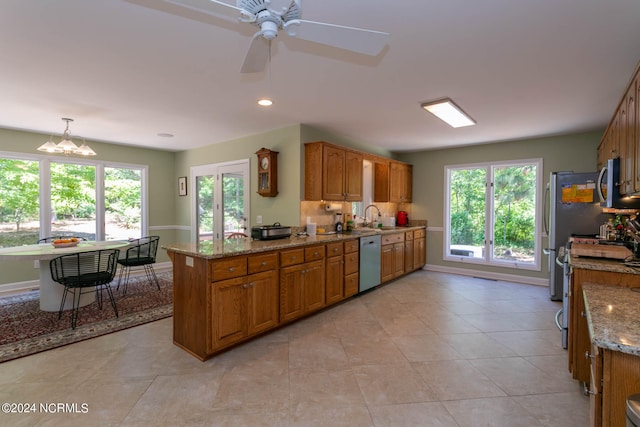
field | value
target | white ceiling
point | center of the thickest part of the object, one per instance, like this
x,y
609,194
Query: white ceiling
x,y
126,70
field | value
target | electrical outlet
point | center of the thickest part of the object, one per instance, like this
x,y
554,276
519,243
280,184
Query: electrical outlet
x,y
36,264
189,261
259,219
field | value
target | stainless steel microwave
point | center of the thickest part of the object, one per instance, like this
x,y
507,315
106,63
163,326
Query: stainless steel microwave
x,y
609,188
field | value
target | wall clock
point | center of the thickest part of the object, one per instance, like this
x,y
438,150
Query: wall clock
x,y
267,172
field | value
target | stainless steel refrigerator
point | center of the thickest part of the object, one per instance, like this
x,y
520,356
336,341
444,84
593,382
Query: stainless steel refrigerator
x,y
573,209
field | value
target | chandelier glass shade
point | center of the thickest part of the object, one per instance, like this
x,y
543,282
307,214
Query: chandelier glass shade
x,y
66,146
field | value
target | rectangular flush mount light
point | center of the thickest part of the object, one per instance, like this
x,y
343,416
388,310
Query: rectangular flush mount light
x,y
447,111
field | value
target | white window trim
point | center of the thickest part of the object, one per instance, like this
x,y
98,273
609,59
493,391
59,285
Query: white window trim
x,y
45,187
489,208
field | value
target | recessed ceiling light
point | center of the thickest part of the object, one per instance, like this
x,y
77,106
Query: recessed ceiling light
x,y
447,111
265,102
165,135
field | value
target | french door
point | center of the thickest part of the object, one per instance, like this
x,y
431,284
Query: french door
x,y
220,205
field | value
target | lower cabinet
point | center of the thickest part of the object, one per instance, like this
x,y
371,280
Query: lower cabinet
x,y
579,340
302,289
243,307
419,248
392,257
614,377
408,251
335,273
351,267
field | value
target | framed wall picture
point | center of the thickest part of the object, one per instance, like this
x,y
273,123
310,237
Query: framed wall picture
x,y
182,186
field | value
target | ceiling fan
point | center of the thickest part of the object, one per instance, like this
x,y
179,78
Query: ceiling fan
x,y
271,16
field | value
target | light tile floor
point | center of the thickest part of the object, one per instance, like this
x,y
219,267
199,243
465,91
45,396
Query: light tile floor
x,y
429,349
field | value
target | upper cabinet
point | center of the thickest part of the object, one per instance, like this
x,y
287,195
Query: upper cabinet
x,y
622,138
392,182
332,173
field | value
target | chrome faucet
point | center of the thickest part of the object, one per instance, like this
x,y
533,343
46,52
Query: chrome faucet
x,y
365,214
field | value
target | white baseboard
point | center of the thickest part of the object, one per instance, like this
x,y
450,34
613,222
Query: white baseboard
x,y
488,275
32,285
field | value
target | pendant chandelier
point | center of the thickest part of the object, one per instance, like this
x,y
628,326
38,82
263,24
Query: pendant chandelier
x,y
66,146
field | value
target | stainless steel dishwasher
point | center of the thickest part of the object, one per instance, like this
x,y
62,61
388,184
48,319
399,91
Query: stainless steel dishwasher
x,y
369,262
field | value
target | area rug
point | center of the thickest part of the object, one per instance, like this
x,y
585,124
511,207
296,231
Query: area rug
x,y
25,329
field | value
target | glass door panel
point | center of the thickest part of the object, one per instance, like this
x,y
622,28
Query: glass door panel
x,y
204,207
123,203
514,213
467,212
19,202
233,203
73,200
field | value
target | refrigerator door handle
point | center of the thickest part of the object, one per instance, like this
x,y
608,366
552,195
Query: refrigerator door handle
x,y
545,214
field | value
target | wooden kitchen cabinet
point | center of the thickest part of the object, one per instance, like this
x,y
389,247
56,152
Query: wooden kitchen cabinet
x,y
595,384
622,138
351,267
335,273
419,248
332,172
408,251
400,182
392,256
392,182
302,286
243,307
579,339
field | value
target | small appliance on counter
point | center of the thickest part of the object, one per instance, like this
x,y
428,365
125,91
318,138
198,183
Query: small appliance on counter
x,y
270,232
403,219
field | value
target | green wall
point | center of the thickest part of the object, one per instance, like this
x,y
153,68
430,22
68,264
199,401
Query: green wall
x,y
170,214
560,153
162,186
284,208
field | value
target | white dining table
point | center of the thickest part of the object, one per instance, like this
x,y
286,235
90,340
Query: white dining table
x,y
51,291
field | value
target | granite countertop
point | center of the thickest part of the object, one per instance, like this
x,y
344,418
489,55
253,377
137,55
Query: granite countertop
x,y
613,317
601,264
232,247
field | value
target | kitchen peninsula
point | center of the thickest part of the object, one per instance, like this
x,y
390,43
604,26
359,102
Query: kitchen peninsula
x,y
604,334
614,330
229,291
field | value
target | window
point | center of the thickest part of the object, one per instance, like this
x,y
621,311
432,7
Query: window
x,y
492,213
42,196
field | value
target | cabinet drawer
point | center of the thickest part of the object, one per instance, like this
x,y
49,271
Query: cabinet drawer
x,y
408,235
313,253
334,249
392,238
351,246
229,268
417,234
351,263
351,283
264,262
291,257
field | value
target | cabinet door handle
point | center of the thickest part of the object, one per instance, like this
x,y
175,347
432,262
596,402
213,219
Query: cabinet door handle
x,y
588,356
586,391
583,314
245,286
264,263
231,269
251,285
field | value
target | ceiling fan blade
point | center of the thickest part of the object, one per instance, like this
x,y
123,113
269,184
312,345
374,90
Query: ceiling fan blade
x,y
258,54
368,42
210,7
279,6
